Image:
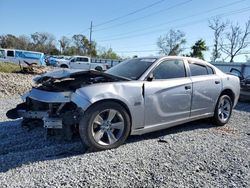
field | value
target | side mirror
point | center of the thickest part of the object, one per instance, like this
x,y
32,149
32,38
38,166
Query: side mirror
x,y
150,77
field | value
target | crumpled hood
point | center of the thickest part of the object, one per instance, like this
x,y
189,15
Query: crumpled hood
x,y
69,73
64,73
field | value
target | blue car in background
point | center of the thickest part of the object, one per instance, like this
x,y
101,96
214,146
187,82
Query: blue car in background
x,y
53,60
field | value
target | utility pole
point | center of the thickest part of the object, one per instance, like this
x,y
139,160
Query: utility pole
x,y
90,39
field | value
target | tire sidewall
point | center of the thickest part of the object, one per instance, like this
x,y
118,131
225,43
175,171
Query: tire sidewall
x,y
85,125
216,118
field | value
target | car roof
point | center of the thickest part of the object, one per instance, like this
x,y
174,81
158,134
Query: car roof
x,y
190,59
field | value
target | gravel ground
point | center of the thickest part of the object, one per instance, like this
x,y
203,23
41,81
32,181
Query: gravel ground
x,y
196,154
12,84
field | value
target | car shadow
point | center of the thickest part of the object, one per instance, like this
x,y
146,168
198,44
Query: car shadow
x,y
19,146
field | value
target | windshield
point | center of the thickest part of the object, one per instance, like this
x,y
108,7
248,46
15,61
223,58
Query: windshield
x,y
132,69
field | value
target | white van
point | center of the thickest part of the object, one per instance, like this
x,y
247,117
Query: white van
x,y
21,56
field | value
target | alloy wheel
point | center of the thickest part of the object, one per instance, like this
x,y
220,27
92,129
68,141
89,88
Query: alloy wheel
x,y
107,127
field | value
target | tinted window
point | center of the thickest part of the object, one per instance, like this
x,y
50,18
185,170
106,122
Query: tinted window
x,y
10,53
197,70
210,70
132,69
84,59
170,69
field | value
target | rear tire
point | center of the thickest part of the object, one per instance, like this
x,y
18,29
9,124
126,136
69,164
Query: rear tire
x,y
223,110
105,125
64,66
98,68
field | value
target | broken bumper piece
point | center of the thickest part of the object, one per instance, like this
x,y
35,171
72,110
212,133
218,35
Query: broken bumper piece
x,y
48,122
52,123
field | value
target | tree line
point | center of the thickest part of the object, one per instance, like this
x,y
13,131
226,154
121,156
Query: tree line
x,y
229,40
45,42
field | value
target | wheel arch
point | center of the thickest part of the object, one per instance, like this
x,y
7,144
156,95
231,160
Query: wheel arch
x,y
230,93
116,101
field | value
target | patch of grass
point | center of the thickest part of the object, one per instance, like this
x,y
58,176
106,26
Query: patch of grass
x,y
9,67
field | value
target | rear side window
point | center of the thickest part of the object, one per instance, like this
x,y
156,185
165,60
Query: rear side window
x,y
170,69
83,59
197,70
10,53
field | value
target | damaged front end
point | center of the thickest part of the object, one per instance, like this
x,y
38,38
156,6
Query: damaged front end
x,y
52,110
51,100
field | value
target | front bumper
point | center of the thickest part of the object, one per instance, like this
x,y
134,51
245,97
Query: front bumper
x,y
44,105
21,111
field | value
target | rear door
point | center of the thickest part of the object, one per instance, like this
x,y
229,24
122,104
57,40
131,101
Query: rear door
x,y
206,88
168,95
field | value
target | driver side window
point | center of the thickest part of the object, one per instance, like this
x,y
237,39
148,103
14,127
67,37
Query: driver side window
x,y
170,69
73,60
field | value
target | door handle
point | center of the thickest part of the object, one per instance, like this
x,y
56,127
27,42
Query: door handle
x,y
217,82
187,87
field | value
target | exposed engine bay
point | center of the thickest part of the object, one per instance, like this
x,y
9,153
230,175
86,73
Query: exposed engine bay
x,y
70,80
49,101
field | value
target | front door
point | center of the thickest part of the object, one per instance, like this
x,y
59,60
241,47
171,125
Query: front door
x,y
81,63
168,95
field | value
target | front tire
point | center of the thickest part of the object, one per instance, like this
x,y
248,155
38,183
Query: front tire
x,y
223,110
105,125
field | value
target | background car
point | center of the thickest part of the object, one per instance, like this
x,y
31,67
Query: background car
x,y
244,84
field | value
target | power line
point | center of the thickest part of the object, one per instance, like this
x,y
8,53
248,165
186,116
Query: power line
x,y
154,13
183,25
155,44
129,14
182,18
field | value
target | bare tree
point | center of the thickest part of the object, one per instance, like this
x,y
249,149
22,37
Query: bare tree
x,y
64,43
171,43
39,38
218,27
236,40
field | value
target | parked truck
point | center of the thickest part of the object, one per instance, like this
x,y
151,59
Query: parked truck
x,y
81,62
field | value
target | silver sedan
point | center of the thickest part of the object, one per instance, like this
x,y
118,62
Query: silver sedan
x,y
137,96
